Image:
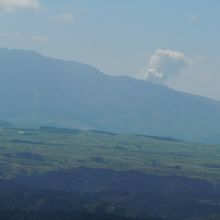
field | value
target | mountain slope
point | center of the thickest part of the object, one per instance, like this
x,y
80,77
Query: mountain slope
x,y
40,90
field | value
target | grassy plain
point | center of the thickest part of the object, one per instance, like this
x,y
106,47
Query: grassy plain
x,y
35,151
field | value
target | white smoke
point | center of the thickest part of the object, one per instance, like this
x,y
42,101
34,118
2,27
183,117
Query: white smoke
x,y
13,5
164,64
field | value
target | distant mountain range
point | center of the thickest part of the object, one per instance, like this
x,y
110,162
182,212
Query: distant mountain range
x,y
37,90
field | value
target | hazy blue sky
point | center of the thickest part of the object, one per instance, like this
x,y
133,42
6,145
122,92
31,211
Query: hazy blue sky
x,y
175,42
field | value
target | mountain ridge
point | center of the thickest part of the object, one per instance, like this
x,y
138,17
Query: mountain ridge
x,y
44,91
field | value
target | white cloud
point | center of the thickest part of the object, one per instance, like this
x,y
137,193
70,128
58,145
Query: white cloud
x,y
40,38
11,35
164,64
13,5
192,17
65,17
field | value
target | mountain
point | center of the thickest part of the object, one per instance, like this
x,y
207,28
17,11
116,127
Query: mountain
x,y
5,124
39,90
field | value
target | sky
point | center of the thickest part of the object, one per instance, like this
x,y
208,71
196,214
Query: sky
x,y
173,42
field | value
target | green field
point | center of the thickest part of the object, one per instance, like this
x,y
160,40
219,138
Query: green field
x,y
34,151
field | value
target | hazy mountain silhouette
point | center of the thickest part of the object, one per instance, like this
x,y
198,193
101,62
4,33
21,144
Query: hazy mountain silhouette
x,y
43,91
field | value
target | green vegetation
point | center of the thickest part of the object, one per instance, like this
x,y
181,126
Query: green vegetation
x,y
37,151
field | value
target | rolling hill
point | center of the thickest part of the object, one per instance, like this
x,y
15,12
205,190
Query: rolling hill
x,y
53,173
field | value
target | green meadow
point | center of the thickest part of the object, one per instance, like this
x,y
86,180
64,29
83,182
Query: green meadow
x,y
36,151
